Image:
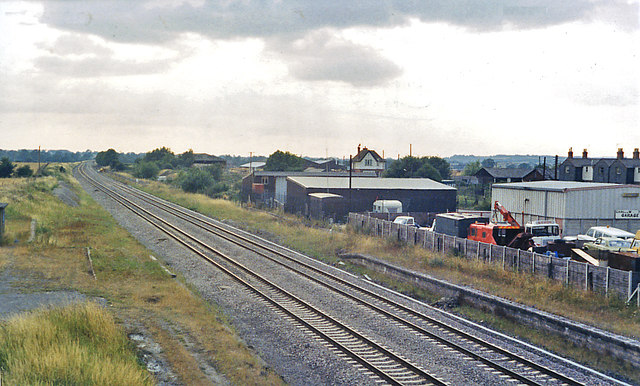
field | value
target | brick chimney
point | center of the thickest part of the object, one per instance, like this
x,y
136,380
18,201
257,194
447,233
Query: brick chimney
x,y
570,154
584,154
636,153
620,153
358,149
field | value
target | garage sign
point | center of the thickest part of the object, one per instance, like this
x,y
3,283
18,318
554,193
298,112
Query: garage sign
x,y
627,214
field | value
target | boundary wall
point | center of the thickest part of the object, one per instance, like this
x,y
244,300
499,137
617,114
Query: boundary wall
x,y
604,280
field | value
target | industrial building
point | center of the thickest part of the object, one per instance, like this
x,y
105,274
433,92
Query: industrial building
x,y
416,194
270,187
575,206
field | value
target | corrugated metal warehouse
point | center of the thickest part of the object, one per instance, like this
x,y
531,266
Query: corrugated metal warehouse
x,y
416,194
269,186
575,206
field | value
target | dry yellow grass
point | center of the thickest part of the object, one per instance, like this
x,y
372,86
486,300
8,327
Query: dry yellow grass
x,y
78,344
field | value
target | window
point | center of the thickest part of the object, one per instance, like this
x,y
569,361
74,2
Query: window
x,y
265,180
368,162
601,170
618,171
567,169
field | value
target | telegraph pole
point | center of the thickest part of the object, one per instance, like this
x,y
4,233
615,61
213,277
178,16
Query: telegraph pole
x,y
350,175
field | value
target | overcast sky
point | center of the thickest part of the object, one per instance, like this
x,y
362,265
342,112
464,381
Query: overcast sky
x,y
320,77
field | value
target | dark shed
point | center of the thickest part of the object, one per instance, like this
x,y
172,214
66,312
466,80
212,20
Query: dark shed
x,y
416,194
457,224
327,205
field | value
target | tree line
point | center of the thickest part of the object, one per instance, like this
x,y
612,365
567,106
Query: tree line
x,y
207,180
24,155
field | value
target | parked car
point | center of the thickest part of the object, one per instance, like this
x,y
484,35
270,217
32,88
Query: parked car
x,y
406,220
612,244
606,231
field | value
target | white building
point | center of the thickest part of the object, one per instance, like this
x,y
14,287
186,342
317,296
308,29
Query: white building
x,y
368,161
575,206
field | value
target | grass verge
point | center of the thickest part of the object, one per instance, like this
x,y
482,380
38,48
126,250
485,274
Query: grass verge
x,y
141,295
77,344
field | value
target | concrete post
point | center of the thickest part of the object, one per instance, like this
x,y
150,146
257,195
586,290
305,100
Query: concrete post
x,y
606,282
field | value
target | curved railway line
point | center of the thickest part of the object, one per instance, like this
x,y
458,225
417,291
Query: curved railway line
x,y
377,360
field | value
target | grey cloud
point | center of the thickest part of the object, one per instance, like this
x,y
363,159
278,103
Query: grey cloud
x,y
141,22
288,21
319,57
79,56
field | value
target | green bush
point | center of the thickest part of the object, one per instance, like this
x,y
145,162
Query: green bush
x,y
24,171
144,169
195,180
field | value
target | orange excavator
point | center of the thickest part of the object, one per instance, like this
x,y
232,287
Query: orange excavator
x,y
506,232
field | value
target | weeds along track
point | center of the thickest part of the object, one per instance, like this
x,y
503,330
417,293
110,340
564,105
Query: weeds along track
x,y
499,363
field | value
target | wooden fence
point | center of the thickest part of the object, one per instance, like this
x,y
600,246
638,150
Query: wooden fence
x,y
604,280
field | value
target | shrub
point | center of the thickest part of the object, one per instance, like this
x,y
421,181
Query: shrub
x,y
195,180
24,171
144,169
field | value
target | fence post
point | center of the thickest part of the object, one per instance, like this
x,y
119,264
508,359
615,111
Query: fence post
x,y
490,253
606,282
478,252
586,276
566,277
629,292
518,261
549,267
533,264
504,255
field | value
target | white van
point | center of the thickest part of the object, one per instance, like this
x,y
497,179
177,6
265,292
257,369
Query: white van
x,y
406,220
594,232
387,206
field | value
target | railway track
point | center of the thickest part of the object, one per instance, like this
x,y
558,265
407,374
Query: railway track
x,y
387,366
378,360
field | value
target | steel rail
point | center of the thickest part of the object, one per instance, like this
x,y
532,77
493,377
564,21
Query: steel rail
x,y
143,213
186,216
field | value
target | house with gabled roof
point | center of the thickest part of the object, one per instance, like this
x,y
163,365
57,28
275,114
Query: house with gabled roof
x,y
368,160
495,175
617,170
625,170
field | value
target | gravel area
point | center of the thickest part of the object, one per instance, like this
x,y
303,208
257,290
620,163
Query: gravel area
x,y
288,350
15,299
65,194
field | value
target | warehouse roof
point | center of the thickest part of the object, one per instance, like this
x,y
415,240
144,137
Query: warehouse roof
x,y
265,173
561,186
369,183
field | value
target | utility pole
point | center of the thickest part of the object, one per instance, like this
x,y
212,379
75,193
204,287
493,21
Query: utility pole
x,y
38,171
250,163
350,174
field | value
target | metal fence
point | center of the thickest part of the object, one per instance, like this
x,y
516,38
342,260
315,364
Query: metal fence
x,y
604,280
